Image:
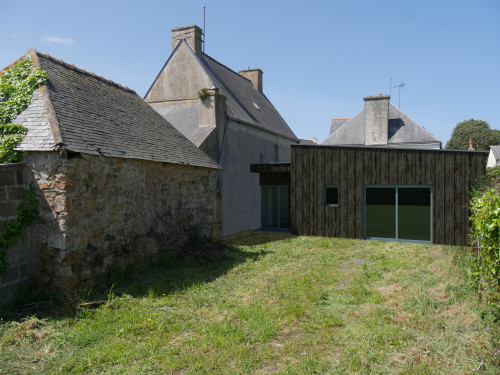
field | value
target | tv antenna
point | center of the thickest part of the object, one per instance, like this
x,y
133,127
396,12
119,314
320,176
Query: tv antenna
x,y
400,86
203,30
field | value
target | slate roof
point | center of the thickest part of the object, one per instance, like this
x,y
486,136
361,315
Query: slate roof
x,y
244,102
184,115
97,116
401,130
337,123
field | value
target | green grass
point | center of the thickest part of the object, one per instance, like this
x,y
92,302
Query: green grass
x,y
268,304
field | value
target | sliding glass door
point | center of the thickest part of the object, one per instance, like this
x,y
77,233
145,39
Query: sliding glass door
x,y
274,212
398,212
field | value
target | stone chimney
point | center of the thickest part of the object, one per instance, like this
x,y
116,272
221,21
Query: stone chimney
x,y
192,34
212,114
254,75
376,119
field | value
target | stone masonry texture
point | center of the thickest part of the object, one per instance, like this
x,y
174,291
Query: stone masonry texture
x,y
22,258
96,212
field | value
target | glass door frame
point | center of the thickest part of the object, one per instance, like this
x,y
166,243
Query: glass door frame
x,y
396,187
278,206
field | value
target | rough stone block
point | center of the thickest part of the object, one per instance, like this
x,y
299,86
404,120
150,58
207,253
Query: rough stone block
x,y
64,271
57,241
15,192
7,177
75,256
8,208
59,203
3,193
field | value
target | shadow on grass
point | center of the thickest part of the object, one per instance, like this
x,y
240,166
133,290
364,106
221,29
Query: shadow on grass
x,y
171,272
257,237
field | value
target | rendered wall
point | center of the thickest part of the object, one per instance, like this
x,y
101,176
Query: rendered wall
x,y
240,189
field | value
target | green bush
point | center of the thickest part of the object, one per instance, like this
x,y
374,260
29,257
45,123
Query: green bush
x,y
485,238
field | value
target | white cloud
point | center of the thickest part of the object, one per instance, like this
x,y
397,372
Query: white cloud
x,y
57,40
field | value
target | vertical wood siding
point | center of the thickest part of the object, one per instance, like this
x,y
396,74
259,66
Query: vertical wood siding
x,y
450,173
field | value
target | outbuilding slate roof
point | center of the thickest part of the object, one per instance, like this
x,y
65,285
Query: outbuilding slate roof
x,y
184,115
401,130
90,114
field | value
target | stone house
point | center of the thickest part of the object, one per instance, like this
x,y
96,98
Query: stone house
x,y
380,124
113,178
235,123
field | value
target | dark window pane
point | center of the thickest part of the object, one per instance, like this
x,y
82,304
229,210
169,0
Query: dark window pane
x,y
284,217
380,212
331,195
414,213
270,206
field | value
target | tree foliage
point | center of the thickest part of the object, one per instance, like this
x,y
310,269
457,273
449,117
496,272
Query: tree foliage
x,y
477,130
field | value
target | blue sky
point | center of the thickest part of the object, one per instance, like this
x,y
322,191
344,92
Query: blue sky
x,y
319,57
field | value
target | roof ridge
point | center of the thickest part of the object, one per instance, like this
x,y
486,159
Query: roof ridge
x,y
83,71
225,66
420,126
341,118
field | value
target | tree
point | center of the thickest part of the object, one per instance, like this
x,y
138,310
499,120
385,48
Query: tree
x,y
477,130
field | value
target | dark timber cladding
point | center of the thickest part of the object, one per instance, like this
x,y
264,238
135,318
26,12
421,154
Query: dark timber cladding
x,y
450,173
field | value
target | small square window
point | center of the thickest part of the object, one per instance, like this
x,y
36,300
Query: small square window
x,y
331,195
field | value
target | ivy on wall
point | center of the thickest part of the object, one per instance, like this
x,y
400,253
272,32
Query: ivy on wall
x,y
16,89
27,213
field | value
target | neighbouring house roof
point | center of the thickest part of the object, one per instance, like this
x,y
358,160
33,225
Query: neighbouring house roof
x,y
337,123
82,112
244,102
401,130
495,150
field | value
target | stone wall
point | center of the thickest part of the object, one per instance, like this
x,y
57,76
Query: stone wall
x,y
98,211
22,258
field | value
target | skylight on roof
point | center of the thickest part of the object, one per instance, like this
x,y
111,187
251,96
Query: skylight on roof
x,y
256,106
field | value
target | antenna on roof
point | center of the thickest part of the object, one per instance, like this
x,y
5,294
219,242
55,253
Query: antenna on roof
x,y
400,86
390,88
203,30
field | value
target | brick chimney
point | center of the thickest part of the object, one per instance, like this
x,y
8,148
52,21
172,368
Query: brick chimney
x,y
192,34
254,75
376,119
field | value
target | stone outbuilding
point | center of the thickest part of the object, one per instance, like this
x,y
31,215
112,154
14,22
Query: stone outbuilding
x,y
233,122
114,179
380,124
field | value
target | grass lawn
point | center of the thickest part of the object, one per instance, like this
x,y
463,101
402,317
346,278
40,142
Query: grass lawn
x,y
267,303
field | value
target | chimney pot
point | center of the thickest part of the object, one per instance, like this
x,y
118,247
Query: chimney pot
x,y
192,34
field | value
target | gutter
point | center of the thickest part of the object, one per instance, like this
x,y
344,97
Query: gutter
x,y
222,151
